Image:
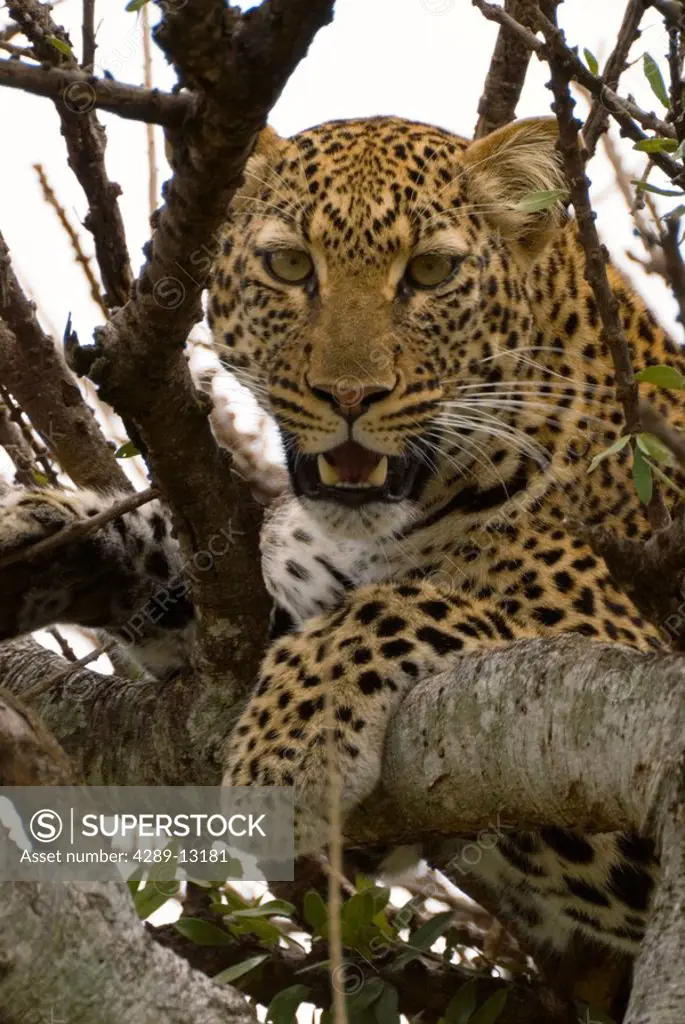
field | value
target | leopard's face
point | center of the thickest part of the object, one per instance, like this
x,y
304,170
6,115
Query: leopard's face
x,y
372,274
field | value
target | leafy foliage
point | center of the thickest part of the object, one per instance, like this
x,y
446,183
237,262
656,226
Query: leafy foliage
x,y
655,79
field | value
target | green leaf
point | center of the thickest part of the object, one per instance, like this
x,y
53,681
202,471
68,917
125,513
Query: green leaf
x,y
126,451
60,45
269,934
656,146
591,61
238,970
386,1007
380,897
147,900
644,186
283,1006
655,449
491,1008
135,5
367,994
617,446
534,202
202,933
655,79
461,1007
358,911
315,910
280,908
642,477
423,938
430,931
662,376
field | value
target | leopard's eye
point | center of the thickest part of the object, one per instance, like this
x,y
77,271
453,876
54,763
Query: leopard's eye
x,y
430,269
290,265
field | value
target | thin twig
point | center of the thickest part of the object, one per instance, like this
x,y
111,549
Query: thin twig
x,y
629,31
596,258
86,142
625,111
335,859
17,51
80,528
88,35
81,258
61,677
149,128
64,645
40,452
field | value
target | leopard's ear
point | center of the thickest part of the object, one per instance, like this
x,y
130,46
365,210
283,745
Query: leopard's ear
x,y
509,165
267,151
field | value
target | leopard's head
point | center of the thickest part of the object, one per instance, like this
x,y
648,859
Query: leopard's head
x,y
371,272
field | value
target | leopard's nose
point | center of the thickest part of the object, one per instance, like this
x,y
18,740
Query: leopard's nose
x,y
349,396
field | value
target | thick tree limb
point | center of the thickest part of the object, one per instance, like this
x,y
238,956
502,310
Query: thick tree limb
x,y
507,72
34,371
238,63
83,92
97,963
595,723
658,989
595,726
96,960
597,742
29,756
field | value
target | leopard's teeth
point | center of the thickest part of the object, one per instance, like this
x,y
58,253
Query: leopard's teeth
x,y
379,474
329,475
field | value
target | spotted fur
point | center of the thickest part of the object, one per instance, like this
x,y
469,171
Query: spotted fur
x,y
499,382
494,388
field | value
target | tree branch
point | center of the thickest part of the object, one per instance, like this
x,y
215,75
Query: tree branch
x,y
507,72
86,142
97,963
576,757
82,92
36,375
239,63
623,110
629,31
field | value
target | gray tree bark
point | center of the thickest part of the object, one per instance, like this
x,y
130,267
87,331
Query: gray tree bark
x,y
561,731
77,954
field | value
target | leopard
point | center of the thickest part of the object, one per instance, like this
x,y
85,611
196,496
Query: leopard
x,y
417,321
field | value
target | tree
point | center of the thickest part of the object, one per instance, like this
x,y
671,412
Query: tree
x,y
231,67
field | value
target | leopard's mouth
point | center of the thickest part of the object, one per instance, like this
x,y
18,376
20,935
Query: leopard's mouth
x,y
353,475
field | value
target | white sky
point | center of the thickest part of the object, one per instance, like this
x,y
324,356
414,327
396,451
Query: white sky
x,y
423,59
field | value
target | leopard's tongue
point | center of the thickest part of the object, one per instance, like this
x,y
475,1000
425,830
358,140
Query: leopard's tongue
x,y
352,465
